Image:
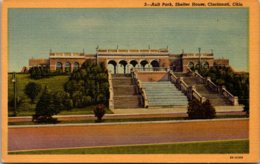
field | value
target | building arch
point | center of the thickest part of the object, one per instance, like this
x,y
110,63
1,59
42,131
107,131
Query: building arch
x,y
191,65
205,64
124,64
155,64
197,66
76,66
133,63
144,63
112,65
67,67
59,66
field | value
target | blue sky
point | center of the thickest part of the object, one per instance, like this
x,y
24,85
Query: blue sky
x,y
33,32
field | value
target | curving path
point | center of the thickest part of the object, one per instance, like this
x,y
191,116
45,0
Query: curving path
x,y
49,137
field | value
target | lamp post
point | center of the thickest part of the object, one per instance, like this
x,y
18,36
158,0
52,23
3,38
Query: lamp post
x,y
14,85
199,59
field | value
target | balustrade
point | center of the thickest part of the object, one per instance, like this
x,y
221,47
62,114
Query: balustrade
x,y
111,92
212,85
151,69
223,91
201,78
140,88
229,96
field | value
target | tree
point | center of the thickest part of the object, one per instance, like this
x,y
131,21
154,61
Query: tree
x,y
46,108
197,110
99,112
32,90
88,85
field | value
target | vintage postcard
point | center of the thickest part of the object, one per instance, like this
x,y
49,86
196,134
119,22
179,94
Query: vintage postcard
x,y
130,81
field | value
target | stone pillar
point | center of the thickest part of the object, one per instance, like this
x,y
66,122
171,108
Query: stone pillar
x,y
63,67
116,66
203,99
207,80
116,69
190,92
128,68
235,101
222,88
71,67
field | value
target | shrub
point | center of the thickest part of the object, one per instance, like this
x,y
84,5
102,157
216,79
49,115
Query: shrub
x,y
99,112
39,72
46,108
32,90
197,110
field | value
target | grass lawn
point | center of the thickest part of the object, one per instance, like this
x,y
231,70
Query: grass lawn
x,y
104,120
120,120
54,83
209,147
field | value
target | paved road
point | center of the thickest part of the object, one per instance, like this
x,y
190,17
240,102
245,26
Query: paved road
x,y
102,135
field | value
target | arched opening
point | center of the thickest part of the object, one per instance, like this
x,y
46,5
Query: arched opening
x,y
123,64
112,66
59,66
76,66
144,64
155,64
206,65
191,65
133,63
67,67
197,66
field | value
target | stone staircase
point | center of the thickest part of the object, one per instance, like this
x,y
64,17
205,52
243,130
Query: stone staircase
x,y
164,94
215,98
125,95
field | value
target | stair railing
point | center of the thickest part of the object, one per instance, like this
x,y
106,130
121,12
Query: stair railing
x,y
229,96
223,91
111,92
178,81
201,78
152,69
189,91
183,86
140,88
173,77
211,85
196,95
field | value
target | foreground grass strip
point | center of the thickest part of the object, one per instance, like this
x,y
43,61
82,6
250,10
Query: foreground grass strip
x,y
122,120
209,147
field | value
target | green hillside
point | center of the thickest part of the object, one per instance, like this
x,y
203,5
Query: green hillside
x,y
54,84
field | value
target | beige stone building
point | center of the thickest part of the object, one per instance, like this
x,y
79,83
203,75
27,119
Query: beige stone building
x,y
122,60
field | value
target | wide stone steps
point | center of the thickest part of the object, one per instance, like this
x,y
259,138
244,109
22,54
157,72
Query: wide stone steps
x,y
124,90
125,95
164,94
122,81
127,101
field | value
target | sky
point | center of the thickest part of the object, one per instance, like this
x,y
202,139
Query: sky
x,y
33,32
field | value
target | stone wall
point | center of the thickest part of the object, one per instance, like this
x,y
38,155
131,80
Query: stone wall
x,y
153,76
38,62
